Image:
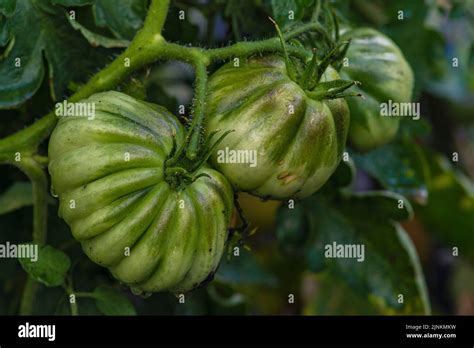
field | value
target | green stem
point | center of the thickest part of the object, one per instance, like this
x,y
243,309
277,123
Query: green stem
x,y
313,26
195,132
28,296
85,294
242,49
74,308
317,9
37,176
70,291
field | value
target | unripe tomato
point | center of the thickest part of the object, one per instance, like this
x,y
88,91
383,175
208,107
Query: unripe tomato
x,y
152,231
377,62
290,143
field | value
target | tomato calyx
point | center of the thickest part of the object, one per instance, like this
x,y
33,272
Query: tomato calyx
x,y
309,77
179,170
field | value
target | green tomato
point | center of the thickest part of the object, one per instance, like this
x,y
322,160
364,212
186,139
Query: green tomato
x,y
378,63
130,217
284,144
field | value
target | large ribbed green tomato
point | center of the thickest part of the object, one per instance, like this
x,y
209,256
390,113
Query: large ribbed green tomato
x,y
298,141
109,175
376,62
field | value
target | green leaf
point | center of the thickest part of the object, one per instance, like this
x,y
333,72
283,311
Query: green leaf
x,y
244,270
112,301
50,268
449,214
342,178
97,39
292,229
398,166
382,204
5,34
123,18
389,265
296,9
69,3
335,297
7,7
15,197
40,30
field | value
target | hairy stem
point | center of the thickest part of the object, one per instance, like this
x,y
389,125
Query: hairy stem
x,y
198,115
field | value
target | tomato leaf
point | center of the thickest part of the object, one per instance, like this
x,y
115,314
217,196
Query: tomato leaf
x,y
39,28
449,212
335,297
7,7
291,228
50,268
288,11
96,39
111,301
244,269
384,263
123,18
398,166
15,197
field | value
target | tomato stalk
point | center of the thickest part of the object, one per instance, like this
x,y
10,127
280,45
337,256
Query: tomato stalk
x,y
195,131
37,176
332,90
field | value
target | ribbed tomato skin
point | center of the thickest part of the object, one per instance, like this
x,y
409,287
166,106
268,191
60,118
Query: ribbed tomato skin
x,y
298,141
377,62
108,172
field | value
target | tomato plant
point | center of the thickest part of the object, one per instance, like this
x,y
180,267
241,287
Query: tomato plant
x,y
136,137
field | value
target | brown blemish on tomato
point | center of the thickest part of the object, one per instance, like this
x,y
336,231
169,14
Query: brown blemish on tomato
x,y
286,177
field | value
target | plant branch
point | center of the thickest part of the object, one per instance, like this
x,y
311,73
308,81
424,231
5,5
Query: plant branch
x,y
70,291
195,131
37,176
